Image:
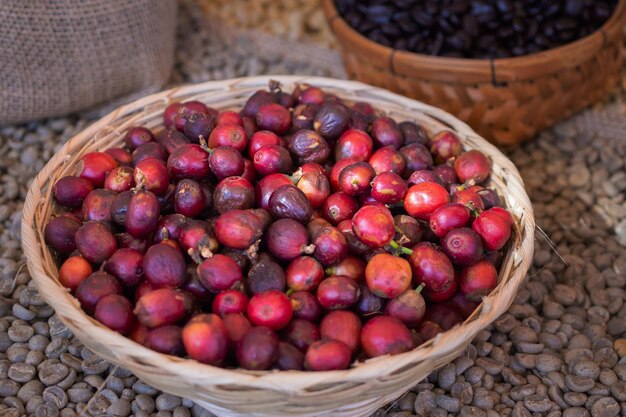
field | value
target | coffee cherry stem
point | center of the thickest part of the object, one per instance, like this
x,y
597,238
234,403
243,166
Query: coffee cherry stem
x,y
253,251
204,145
194,254
308,249
399,249
295,177
141,182
419,288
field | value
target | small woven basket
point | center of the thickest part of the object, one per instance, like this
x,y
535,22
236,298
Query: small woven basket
x,y
505,100
357,391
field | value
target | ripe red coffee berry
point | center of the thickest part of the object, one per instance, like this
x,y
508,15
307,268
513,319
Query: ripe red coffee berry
x,y
205,339
388,188
258,350
166,339
472,165
274,117
95,242
228,135
388,276
447,217
374,226
327,355
95,166
219,273
478,280
97,205
337,292
422,199
74,271
385,335
304,273
152,175
164,266
137,136
115,312
355,144
493,227
162,306
60,233
70,191
189,161
342,325
229,302
445,145
431,267
126,265
271,309
93,288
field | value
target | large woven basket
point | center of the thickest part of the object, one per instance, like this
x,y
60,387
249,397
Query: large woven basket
x,y
505,100
354,392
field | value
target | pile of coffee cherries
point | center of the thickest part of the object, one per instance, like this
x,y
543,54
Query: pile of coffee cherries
x,y
301,232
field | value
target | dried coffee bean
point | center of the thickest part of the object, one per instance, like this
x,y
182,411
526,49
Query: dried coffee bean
x,y
181,412
586,368
538,403
450,404
605,357
94,365
15,404
21,372
576,412
578,383
56,396
141,388
98,404
446,376
463,391
143,402
56,347
120,408
8,388
605,407
38,342
30,389
167,402
20,333
425,403
405,403
77,395
575,399
547,363
51,373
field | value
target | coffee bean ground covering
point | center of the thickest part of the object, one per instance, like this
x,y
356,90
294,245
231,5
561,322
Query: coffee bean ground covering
x,y
559,351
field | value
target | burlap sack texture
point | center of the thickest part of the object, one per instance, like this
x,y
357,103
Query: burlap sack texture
x,y
60,56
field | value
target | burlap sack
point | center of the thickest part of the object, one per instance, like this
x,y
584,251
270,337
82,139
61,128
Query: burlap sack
x,y
60,56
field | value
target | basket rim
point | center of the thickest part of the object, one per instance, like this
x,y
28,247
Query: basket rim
x,y
289,381
408,63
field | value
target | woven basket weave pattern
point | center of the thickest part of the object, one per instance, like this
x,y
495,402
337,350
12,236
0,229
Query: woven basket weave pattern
x,y
60,56
505,100
354,392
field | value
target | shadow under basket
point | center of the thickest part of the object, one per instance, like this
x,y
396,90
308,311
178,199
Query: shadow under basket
x,y
358,391
507,100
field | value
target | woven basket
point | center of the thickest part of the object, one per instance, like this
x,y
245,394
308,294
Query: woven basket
x,y
225,392
505,100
